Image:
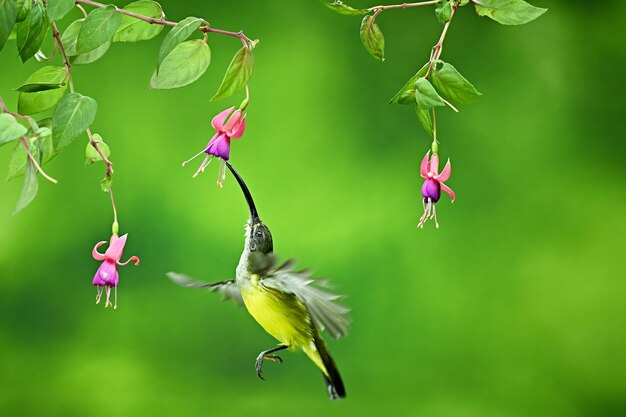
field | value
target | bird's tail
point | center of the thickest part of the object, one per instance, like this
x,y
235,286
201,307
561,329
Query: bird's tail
x,y
319,354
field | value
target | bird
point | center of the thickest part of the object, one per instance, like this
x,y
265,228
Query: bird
x,y
289,304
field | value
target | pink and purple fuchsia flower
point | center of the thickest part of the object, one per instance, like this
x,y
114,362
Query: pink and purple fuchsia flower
x,y
433,184
228,125
107,275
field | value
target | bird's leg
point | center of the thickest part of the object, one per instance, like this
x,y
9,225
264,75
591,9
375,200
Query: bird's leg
x,y
269,355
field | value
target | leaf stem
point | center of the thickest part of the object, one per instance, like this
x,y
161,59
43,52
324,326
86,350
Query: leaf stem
x,y
34,161
153,21
94,143
438,48
66,61
402,6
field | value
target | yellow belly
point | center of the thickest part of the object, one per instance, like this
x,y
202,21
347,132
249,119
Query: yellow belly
x,y
281,315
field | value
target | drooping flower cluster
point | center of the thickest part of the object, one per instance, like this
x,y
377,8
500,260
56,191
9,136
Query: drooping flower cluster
x,y
433,184
107,275
229,124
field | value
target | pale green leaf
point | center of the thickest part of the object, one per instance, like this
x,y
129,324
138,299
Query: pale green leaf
x,y
132,29
17,163
340,7
509,12
91,56
106,183
237,74
443,11
98,29
92,155
46,78
425,95
57,9
452,85
372,38
70,36
179,33
184,65
36,102
30,188
406,95
73,115
423,115
10,129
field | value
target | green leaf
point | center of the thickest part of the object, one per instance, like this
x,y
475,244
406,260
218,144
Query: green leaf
x,y
509,12
423,115
73,115
425,95
31,185
452,85
8,14
30,31
36,102
463,2
70,36
106,183
57,9
23,7
132,29
46,78
17,163
33,88
184,65
92,155
10,129
443,11
339,7
179,33
91,56
98,29
372,38
406,95
237,74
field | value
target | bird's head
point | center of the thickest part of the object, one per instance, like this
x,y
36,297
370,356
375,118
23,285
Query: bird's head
x,y
258,236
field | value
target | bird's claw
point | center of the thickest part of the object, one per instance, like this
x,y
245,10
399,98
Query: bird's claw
x,y
259,362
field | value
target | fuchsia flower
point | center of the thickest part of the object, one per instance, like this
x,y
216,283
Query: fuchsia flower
x,y
226,128
433,184
107,275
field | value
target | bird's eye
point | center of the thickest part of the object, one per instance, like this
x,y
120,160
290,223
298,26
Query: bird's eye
x,y
258,233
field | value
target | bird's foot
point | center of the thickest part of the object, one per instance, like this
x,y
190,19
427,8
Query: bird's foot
x,y
263,356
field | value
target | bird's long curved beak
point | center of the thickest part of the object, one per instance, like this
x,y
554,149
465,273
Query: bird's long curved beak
x,y
254,215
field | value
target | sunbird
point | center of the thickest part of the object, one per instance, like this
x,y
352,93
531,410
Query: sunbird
x,y
288,304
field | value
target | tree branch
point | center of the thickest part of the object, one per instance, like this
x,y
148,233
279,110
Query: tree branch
x,y
153,21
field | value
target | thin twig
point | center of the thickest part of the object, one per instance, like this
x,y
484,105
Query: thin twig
x,y
164,22
94,143
66,61
403,5
438,48
34,161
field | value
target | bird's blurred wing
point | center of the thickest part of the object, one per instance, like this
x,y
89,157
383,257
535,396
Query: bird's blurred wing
x,y
326,312
228,288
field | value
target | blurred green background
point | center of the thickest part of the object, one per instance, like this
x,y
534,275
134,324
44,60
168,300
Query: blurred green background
x,y
514,307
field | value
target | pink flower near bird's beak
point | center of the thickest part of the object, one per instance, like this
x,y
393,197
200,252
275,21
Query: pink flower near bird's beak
x,y
107,275
433,184
226,128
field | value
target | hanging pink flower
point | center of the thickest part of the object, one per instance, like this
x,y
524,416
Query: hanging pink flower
x,y
228,125
107,275
433,184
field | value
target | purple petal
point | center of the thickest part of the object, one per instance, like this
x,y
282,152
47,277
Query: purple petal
x,y
107,274
431,189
